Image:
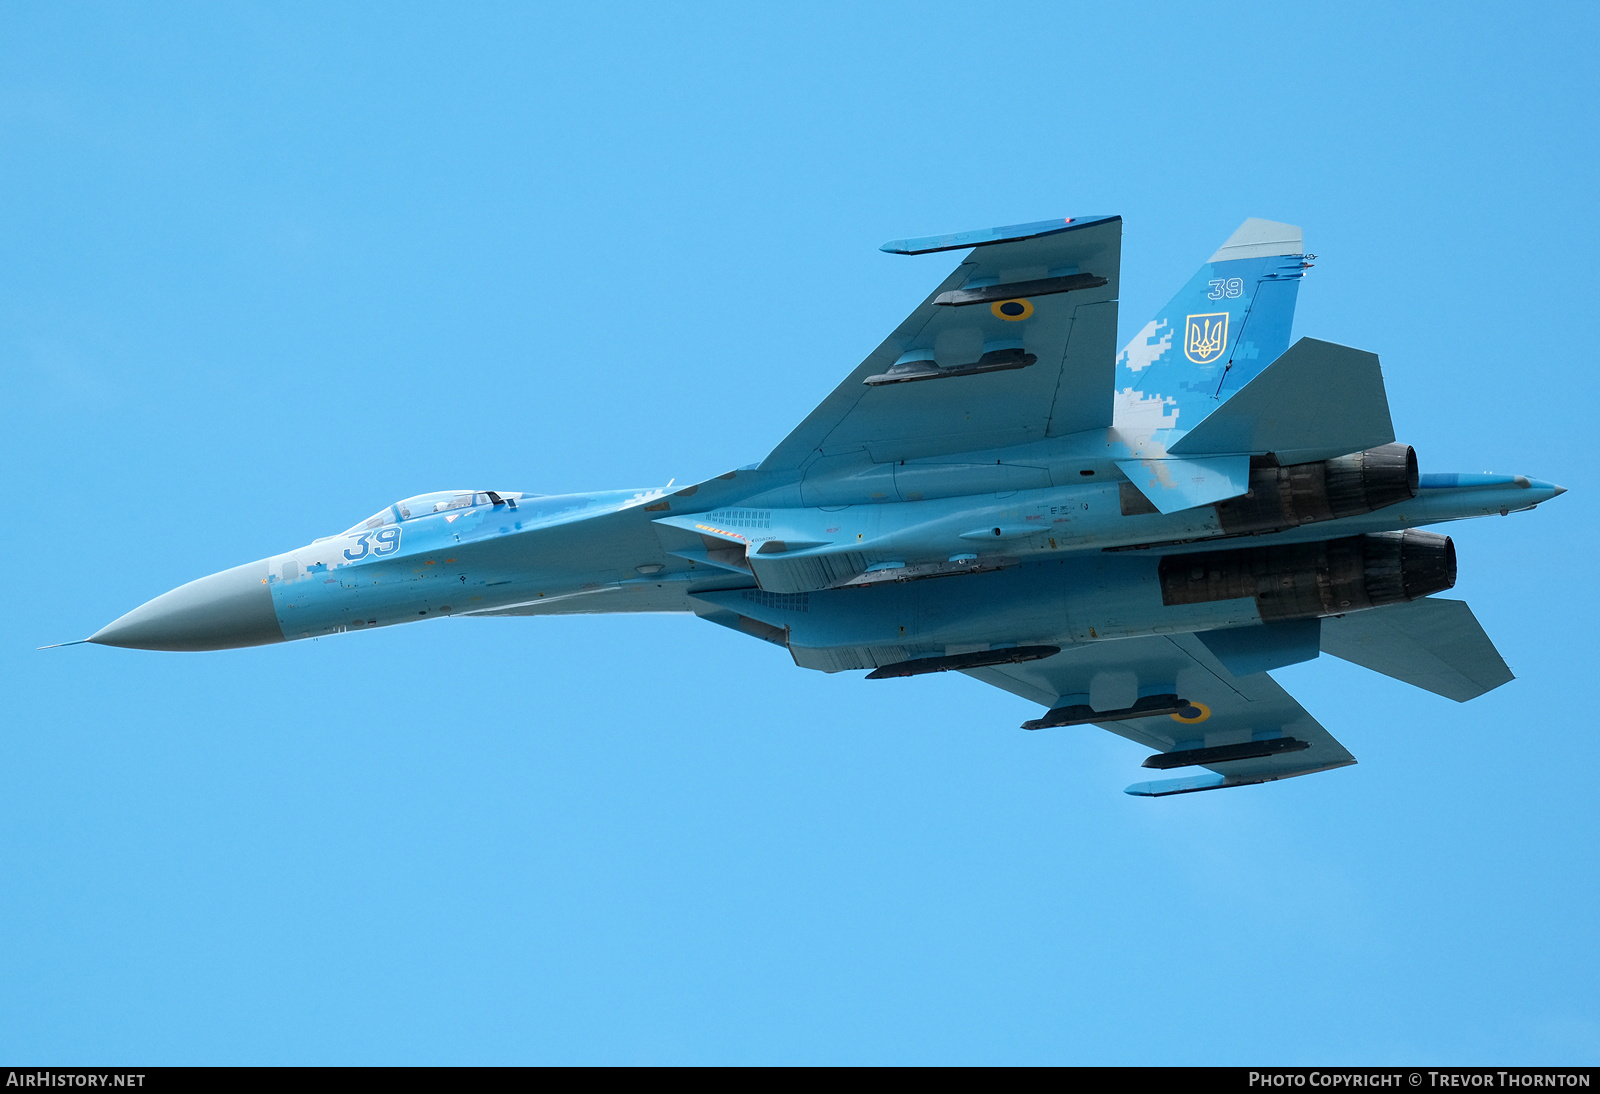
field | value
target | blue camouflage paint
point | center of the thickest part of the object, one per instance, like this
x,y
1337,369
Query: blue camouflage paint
x,y
969,514
431,569
1158,372
1009,233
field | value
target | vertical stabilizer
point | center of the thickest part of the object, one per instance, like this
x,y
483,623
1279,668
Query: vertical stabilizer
x,y
1227,324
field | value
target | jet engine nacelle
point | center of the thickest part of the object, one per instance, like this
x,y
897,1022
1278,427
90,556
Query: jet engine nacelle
x,y
1303,493
1083,601
1307,580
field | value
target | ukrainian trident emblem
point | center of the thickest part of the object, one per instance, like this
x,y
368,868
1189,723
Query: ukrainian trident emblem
x,y
1205,337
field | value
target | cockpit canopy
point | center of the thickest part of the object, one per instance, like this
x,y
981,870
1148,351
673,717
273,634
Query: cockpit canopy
x,y
437,502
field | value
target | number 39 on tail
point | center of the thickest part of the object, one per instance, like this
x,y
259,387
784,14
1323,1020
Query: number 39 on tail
x,y
1129,539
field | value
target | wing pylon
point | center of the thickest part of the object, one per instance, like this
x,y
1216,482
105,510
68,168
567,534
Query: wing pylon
x,y
1016,345
1242,729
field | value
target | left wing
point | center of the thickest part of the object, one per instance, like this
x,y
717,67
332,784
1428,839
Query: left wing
x,y
1175,697
1017,344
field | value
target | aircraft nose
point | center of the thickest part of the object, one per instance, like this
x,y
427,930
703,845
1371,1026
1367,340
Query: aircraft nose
x,y
1549,488
220,612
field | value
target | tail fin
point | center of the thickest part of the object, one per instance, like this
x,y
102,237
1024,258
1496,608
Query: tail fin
x,y
1227,324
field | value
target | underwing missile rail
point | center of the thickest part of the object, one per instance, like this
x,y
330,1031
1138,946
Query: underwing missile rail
x,y
1132,538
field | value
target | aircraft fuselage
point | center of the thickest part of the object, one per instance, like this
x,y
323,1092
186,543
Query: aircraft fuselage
x,y
1061,564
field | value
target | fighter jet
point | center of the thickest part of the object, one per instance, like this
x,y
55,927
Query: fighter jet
x,y
1131,540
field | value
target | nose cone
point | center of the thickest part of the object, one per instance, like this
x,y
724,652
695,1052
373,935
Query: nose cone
x,y
220,612
1541,490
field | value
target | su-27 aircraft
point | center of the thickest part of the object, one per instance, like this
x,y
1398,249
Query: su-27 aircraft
x,y
1131,540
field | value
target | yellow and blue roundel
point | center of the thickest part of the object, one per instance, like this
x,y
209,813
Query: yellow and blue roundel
x,y
1012,311
1192,714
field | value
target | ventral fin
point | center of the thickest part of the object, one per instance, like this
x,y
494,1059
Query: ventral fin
x,y
1247,650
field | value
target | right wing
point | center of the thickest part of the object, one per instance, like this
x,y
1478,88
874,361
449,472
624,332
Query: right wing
x,y
1227,714
1017,344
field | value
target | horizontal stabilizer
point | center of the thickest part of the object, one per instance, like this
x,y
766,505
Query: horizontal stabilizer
x,y
1317,401
1436,645
1173,485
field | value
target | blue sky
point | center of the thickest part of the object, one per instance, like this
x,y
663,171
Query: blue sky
x,y
266,267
